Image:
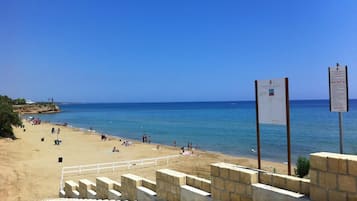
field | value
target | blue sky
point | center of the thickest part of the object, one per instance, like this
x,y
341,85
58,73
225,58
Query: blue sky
x,y
153,51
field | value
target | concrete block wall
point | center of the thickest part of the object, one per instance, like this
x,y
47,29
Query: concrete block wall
x,y
200,183
71,189
333,177
129,183
230,182
149,184
291,183
103,185
168,184
84,186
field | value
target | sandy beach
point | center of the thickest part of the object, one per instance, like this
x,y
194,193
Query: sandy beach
x,y
30,169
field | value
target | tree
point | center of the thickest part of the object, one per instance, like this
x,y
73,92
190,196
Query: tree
x,y
8,118
19,101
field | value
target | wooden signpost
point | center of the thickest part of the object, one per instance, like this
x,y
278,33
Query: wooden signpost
x,y
272,107
338,85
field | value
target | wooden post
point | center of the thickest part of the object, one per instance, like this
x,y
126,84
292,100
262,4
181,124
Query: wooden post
x,y
257,123
288,124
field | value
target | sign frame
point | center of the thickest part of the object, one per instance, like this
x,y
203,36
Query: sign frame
x,y
287,112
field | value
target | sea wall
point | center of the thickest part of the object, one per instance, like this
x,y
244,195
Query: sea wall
x,y
333,177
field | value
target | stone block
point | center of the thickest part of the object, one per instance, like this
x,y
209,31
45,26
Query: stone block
x,y
103,185
149,184
243,198
318,161
352,167
234,175
229,186
331,181
313,176
293,184
206,186
337,195
234,197
241,189
265,178
305,186
215,193
249,190
129,183
117,186
225,195
190,180
352,196
71,189
70,185
215,170
218,183
317,193
248,176
279,181
224,173
84,185
337,165
347,183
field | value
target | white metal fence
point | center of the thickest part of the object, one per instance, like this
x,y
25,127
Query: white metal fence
x,y
97,168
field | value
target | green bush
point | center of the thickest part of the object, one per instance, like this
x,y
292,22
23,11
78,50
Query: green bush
x,y
302,166
8,118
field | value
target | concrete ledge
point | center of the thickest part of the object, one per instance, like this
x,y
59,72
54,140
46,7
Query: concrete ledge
x,y
262,192
145,194
91,194
75,194
189,193
114,195
62,194
149,184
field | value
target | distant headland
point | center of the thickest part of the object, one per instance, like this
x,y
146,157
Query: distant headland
x,y
23,106
37,108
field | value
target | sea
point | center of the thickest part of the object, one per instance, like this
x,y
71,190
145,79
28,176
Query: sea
x,y
225,127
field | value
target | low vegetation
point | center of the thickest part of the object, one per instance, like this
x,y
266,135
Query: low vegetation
x,y
302,166
8,117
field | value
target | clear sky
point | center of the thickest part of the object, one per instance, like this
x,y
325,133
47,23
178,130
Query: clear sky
x,y
152,51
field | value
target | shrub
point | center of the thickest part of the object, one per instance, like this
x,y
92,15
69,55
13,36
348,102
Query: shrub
x,y
302,166
8,118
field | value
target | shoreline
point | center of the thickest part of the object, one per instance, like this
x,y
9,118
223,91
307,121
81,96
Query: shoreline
x,y
31,171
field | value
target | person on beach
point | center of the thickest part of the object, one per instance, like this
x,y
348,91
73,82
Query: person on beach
x,y
103,137
53,130
115,149
58,131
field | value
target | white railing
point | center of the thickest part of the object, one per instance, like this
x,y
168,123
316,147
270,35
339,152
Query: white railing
x,y
96,168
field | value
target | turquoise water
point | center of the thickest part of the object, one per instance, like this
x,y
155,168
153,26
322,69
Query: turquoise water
x,y
227,127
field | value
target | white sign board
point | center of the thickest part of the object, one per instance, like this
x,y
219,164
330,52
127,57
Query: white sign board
x,y
272,101
338,89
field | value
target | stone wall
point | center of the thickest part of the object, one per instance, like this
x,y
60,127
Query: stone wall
x,y
129,183
199,183
333,177
286,182
231,182
168,184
